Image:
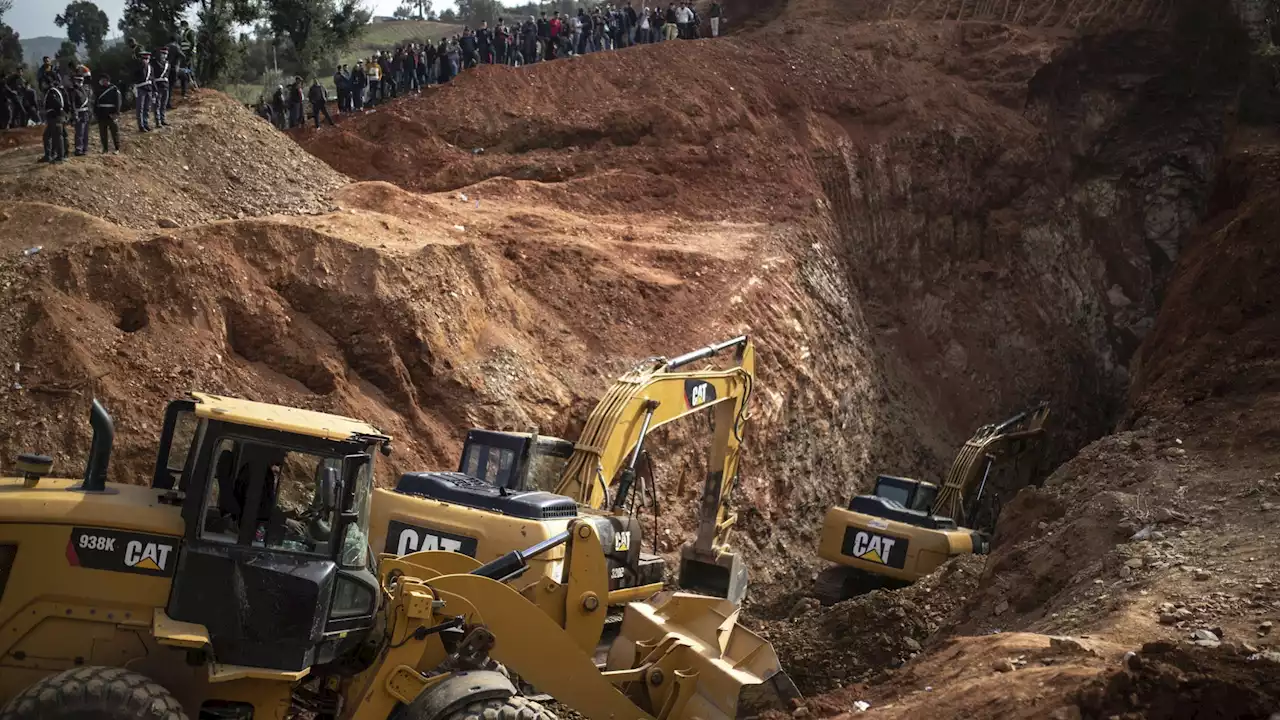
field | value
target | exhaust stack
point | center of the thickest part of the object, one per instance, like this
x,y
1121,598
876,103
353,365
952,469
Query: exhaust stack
x,y
104,435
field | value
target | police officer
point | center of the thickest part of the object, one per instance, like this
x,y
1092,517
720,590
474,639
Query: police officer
x,y
160,73
55,131
109,103
81,101
143,89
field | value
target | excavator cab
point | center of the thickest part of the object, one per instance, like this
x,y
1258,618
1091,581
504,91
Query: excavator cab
x,y
911,494
902,500
515,461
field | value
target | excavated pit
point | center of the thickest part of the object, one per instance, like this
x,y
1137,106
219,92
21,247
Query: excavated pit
x,y
924,225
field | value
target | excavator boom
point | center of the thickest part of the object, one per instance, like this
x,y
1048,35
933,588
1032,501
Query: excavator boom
x,y
602,468
998,442
650,396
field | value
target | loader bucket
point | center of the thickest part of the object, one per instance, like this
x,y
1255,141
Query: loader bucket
x,y
738,674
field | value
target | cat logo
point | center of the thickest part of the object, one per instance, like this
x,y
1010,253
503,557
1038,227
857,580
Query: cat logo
x,y
403,539
120,551
147,556
698,393
622,541
874,547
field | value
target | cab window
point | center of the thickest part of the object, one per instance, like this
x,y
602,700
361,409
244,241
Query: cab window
x,y
267,496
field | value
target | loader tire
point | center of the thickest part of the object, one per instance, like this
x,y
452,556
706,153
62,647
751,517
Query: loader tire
x,y
512,708
94,693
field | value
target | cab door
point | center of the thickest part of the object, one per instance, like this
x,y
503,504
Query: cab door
x,y
258,567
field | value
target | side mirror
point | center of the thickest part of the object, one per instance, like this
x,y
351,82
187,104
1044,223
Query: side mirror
x,y
330,484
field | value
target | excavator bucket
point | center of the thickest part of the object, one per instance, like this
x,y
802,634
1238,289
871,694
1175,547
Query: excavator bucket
x,y
734,672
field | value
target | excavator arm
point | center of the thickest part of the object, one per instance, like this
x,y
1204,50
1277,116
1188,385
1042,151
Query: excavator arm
x,y
1004,443
649,397
602,468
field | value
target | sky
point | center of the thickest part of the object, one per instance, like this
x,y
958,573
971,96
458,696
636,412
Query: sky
x,y
33,18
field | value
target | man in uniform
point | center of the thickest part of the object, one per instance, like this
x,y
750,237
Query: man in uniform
x,y
160,81
55,131
30,102
81,102
143,87
110,102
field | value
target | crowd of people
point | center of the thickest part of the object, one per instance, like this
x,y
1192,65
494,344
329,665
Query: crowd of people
x,y
63,98
414,66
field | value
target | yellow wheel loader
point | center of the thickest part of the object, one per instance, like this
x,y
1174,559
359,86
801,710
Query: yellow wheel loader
x,y
240,586
512,489
906,528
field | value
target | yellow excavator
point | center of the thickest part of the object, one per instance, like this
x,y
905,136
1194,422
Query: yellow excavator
x,y
906,528
238,585
513,489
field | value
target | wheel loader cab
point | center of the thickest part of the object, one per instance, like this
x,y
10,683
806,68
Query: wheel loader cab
x,y
274,561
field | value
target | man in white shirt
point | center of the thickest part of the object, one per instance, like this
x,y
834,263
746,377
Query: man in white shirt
x,y
684,18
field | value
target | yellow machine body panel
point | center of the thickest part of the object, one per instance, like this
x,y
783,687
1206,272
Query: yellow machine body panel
x,y
402,524
886,547
130,507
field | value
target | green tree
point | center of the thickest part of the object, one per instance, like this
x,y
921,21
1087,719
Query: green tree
x,y
86,25
67,52
316,28
423,7
473,12
404,12
152,22
10,47
448,16
219,54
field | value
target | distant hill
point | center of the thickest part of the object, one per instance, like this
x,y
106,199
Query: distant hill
x,y
386,35
37,47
